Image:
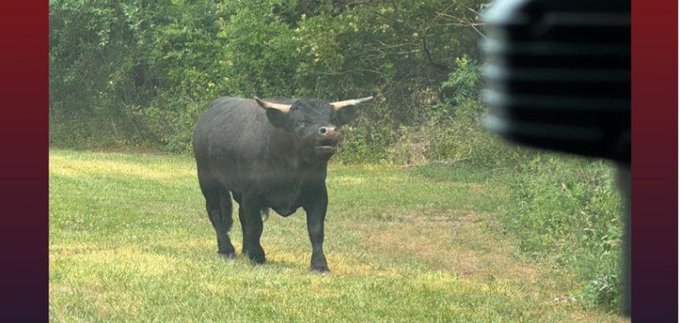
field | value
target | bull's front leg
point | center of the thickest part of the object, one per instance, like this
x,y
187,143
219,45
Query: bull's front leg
x,y
251,214
315,207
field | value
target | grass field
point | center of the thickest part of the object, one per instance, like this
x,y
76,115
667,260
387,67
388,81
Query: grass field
x,y
130,241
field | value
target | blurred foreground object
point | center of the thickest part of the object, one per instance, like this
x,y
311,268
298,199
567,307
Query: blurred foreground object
x,y
558,78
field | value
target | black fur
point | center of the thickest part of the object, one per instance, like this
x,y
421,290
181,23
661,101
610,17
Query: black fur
x,y
265,159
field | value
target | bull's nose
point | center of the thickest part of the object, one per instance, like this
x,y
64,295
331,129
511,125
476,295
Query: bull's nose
x,y
328,132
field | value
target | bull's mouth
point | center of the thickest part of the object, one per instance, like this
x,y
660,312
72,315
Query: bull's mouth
x,y
327,146
326,149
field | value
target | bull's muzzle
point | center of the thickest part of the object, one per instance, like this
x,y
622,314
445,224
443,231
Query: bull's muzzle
x,y
328,132
328,141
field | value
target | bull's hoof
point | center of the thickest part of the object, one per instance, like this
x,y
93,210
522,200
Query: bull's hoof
x,y
320,269
258,259
227,255
257,256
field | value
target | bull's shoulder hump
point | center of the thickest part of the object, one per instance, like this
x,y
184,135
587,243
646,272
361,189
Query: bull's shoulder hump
x,y
235,113
229,103
228,100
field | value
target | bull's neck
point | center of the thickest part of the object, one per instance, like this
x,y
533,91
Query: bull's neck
x,y
296,157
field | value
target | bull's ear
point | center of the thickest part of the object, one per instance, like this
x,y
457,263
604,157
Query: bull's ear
x,y
278,118
346,115
277,113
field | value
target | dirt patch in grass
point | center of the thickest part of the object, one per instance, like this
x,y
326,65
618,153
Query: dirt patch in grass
x,y
449,241
465,244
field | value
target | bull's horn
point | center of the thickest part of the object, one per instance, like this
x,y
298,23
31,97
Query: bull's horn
x,y
341,104
271,105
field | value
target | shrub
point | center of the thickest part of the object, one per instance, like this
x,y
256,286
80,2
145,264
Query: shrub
x,y
566,209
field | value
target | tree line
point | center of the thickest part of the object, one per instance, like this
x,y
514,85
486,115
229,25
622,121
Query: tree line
x,y
139,72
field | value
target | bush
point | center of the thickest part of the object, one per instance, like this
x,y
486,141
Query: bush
x,y
140,72
566,209
450,129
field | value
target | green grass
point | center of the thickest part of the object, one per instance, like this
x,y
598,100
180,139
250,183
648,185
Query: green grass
x,y
130,241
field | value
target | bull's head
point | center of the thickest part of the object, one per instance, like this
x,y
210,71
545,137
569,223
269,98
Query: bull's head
x,y
315,124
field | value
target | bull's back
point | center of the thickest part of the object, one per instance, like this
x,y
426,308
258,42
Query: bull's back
x,y
230,140
225,118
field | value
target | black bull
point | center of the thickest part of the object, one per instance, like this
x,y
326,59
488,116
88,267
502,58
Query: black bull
x,y
268,155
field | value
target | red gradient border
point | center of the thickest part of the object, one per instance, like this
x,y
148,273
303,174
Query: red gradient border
x,y
24,35
654,207
24,162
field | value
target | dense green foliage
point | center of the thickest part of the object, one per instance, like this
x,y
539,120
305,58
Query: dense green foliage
x,y
567,210
138,73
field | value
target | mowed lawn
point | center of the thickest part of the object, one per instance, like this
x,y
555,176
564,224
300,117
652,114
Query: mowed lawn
x,y
130,241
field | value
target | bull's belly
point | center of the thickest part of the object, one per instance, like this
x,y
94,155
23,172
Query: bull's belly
x,y
284,203
285,211
283,195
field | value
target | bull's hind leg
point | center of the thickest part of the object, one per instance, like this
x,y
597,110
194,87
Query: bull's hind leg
x,y
242,219
218,205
